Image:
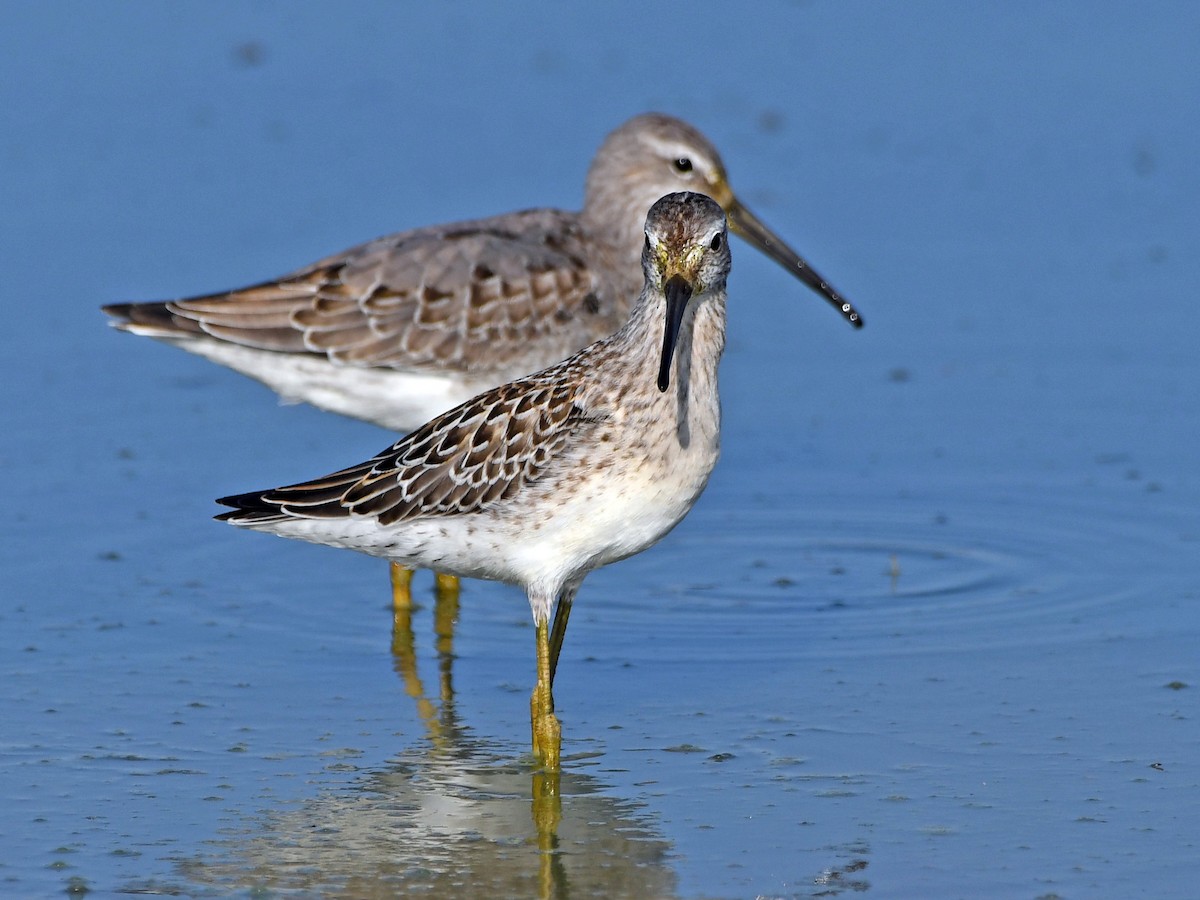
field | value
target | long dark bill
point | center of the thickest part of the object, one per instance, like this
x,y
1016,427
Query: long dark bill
x,y
748,226
678,292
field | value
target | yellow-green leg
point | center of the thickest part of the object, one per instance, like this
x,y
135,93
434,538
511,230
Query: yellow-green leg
x,y
401,586
562,612
547,732
445,584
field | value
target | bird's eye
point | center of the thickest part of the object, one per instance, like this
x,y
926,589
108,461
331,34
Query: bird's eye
x,y
683,164
716,242
647,245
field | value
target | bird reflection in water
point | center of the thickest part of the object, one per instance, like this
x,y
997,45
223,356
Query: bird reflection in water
x,y
451,815
444,731
404,653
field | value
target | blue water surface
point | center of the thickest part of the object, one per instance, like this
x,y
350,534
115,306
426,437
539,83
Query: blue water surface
x,y
933,628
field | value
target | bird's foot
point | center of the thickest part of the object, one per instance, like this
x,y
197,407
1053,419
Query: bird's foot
x,y
547,733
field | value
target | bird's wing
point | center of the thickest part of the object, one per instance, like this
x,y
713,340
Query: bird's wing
x,y
464,461
414,300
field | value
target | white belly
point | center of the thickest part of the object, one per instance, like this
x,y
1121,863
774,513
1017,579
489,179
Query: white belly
x,y
397,400
557,531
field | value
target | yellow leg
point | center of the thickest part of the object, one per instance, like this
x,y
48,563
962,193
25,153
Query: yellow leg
x,y
547,732
562,612
445,584
401,587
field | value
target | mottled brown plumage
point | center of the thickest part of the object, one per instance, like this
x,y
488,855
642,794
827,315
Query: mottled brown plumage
x,y
476,456
542,480
401,328
470,294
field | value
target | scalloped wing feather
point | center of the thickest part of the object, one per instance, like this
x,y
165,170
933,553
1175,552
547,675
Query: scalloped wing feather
x,y
425,298
462,462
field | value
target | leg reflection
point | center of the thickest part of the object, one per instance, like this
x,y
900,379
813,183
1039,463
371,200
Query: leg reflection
x,y
404,652
445,615
547,813
545,793
404,660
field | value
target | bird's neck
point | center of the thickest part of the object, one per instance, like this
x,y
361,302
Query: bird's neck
x,y
698,348
617,243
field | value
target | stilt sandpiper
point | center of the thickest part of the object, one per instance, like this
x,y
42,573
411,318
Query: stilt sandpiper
x,y
402,328
540,481
399,329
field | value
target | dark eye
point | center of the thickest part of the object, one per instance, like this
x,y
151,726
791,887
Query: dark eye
x,y
716,242
683,164
647,244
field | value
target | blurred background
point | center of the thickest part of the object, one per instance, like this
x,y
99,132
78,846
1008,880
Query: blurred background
x,y
932,629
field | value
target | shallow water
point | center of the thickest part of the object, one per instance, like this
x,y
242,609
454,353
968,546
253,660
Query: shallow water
x,y
933,628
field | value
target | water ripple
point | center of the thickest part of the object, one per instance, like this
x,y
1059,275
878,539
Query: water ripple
x,y
858,576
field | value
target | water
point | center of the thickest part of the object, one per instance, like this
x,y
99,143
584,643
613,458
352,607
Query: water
x,y
931,631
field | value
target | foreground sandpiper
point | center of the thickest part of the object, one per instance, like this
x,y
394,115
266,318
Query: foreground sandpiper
x,y
540,481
